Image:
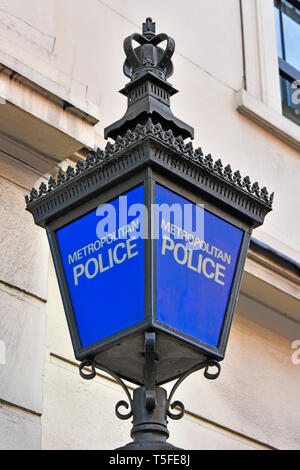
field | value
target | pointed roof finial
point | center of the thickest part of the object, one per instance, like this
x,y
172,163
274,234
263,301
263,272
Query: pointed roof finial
x,y
148,64
148,27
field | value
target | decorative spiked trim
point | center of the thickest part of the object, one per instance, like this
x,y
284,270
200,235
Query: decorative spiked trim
x,y
98,159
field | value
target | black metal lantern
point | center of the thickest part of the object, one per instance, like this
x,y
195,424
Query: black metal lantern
x,y
149,240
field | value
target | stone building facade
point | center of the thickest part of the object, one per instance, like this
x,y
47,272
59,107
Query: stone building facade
x,y
60,69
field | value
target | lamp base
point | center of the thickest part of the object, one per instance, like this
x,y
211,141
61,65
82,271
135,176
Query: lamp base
x,y
151,445
149,431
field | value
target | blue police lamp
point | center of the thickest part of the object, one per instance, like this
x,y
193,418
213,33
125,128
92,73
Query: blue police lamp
x,y
149,239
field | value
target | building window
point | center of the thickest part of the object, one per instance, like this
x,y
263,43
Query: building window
x,y
287,17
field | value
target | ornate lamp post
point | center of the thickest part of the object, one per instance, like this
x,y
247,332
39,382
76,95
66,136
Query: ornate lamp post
x,y
149,239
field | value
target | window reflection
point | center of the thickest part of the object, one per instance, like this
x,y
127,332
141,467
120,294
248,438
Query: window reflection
x,y
287,20
290,92
291,32
278,33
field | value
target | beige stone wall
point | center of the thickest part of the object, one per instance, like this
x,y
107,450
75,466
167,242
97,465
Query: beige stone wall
x,y
74,50
23,292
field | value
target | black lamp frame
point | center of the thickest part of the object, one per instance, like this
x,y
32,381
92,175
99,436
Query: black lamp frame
x,y
149,148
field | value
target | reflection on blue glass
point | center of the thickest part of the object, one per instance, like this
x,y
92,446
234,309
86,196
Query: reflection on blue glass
x,y
292,41
193,285
105,275
291,28
278,33
290,101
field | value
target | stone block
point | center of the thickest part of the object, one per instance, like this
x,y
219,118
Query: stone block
x,y
22,330
19,430
24,251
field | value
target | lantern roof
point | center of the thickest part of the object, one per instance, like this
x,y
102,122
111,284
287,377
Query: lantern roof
x,y
149,144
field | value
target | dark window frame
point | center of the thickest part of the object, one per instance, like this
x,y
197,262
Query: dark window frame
x,y
286,71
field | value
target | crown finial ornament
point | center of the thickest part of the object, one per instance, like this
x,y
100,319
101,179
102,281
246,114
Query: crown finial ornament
x,y
148,66
148,56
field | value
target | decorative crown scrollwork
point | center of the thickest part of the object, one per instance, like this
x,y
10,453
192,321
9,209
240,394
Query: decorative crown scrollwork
x,y
148,56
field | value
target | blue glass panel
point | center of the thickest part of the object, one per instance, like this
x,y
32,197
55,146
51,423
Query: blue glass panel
x,y
290,100
193,281
278,33
291,28
103,261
